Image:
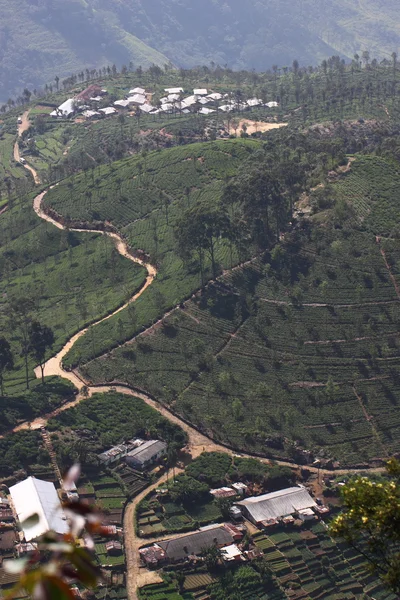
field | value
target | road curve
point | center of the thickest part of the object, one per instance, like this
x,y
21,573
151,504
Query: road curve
x,y
54,365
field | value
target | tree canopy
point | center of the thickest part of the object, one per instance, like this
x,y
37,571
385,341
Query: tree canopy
x,y
370,522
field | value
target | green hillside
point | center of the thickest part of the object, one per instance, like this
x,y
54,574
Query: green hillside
x,y
63,273
47,38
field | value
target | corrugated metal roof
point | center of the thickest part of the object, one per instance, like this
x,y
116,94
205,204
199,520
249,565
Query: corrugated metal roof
x,y
34,496
277,504
147,450
194,543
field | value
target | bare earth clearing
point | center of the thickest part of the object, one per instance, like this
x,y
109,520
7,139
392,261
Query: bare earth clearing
x,y
255,126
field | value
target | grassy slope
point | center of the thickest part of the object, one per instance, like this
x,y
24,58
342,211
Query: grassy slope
x,y
73,278
133,199
277,359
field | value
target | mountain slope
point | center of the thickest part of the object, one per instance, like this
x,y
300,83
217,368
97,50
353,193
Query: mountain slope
x,y
40,39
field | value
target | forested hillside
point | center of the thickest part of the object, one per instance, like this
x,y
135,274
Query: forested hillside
x,y
42,39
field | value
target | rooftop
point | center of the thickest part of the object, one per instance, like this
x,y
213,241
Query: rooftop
x,y
34,496
194,543
173,90
147,450
277,504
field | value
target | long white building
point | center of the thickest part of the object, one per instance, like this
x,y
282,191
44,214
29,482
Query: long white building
x,y
34,496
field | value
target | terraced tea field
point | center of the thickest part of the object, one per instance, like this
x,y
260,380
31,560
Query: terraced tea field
x,y
302,347
144,197
310,564
71,278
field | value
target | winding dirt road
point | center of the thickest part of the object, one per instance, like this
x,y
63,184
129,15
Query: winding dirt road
x,y
24,126
198,442
54,365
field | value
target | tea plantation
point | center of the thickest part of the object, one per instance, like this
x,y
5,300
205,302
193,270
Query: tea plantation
x,y
71,278
144,197
297,350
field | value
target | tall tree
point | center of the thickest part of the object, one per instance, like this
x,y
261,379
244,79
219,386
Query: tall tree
x,y
198,231
6,361
20,319
41,339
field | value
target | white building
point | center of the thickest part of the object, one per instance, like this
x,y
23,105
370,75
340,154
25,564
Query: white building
x,y
91,114
146,455
109,110
276,505
147,108
206,111
137,99
121,103
215,96
254,102
34,496
137,90
173,90
66,109
200,92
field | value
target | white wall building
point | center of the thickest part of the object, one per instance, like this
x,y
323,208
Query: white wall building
x,y
35,496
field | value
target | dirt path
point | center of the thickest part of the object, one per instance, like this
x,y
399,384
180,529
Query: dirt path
x,y
138,576
388,267
54,365
370,420
24,126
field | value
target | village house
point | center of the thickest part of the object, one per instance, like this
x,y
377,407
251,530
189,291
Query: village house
x,y
108,111
232,553
193,544
113,455
153,556
173,90
90,92
223,492
65,110
146,455
113,548
137,99
137,90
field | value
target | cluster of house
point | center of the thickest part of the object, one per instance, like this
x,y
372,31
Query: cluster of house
x,y
138,454
200,101
267,510
138,99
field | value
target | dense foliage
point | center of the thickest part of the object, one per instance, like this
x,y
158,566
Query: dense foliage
x,y
40,400
21,450
112,418
370,521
